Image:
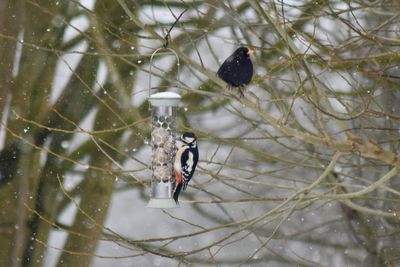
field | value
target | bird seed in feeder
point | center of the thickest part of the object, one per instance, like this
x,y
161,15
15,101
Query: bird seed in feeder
x,y
160,157
163,173
159,136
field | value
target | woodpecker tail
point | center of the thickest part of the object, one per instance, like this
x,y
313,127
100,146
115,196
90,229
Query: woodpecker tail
x,y
177,192
184,185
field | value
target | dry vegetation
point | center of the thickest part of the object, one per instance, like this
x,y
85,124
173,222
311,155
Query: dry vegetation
x,y
300,172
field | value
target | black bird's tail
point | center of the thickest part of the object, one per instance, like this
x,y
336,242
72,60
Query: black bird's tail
x,y
177,192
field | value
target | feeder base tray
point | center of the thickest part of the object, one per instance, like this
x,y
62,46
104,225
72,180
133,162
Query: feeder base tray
x,y
162,203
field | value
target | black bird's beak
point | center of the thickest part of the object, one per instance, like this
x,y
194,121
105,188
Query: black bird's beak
x,y
250,52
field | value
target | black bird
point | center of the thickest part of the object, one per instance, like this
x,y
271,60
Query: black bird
x,y
237,69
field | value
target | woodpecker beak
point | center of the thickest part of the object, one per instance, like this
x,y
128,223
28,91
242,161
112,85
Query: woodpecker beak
x,y
250,52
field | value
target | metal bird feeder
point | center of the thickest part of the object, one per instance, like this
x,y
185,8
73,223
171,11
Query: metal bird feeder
x,y
163,134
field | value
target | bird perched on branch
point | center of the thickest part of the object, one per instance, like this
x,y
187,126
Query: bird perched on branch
x,y
237,69
185,164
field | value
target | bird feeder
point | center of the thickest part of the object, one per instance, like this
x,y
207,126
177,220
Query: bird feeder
x,y
163,135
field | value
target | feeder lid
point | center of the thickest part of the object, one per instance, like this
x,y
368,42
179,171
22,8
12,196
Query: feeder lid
x,y
165,99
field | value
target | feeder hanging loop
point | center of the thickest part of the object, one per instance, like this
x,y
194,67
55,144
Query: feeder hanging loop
x,y
151,64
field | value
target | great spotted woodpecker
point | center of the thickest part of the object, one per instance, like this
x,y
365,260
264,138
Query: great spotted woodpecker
x,y
185,162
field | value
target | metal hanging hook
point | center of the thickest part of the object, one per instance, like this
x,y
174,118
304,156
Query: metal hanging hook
x,y
165,46
170,29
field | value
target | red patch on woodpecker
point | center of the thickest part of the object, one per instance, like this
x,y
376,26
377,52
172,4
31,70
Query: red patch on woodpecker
x,y
178,177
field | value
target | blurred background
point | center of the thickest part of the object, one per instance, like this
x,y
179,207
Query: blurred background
x,y
302,171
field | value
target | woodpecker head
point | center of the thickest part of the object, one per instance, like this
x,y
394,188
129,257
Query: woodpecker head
x,y
189,139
